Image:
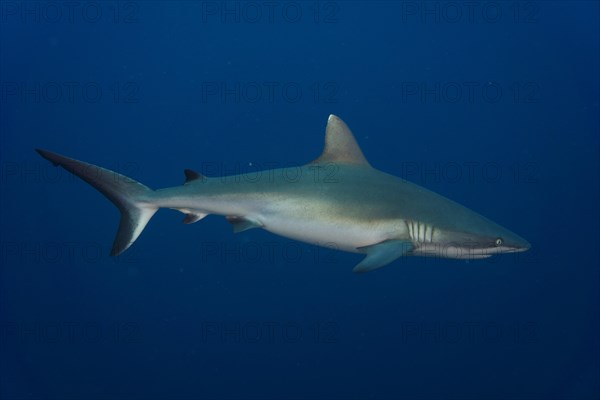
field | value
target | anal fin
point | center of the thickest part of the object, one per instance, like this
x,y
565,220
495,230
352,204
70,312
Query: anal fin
x,y
381,254
190,218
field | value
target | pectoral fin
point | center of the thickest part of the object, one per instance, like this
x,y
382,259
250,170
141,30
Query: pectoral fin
x,y
381,254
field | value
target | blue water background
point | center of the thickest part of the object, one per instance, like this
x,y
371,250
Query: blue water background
x,y
194,311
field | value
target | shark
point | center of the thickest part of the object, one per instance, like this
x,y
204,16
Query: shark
x,y
337,200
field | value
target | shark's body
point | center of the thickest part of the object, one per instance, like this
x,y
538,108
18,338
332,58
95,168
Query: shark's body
x,y
337,201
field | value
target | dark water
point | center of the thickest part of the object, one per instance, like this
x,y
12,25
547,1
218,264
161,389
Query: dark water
x,y
494,105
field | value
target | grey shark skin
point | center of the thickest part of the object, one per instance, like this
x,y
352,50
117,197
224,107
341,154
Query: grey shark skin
x,y
338,201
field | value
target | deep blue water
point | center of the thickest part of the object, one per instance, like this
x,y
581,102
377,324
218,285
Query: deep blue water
x,y
494,105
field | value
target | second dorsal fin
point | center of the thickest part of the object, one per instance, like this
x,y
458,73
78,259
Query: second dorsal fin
x,y
191,175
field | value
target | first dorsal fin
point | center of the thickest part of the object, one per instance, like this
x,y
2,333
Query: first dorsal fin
x,y
340,145
191,175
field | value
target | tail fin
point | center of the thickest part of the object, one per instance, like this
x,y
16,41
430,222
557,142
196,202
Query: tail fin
x,y
129,196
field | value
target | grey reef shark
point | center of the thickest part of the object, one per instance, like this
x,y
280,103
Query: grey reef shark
x,y
338,200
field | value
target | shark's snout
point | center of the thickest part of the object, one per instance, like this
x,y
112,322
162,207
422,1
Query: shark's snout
x,y
517,244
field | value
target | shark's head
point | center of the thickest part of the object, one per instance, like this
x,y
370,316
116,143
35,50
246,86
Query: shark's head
x,y
464,234
476,244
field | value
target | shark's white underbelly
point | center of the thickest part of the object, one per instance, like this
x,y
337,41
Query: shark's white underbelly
x,y
322,233
322,229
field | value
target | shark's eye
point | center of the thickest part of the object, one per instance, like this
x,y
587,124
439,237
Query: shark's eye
x,y
498,242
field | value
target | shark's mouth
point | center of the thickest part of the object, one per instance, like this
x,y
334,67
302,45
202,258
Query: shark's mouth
x,y
460,252
514,249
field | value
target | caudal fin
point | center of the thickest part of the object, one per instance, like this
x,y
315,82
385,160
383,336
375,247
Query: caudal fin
x,y
131,197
